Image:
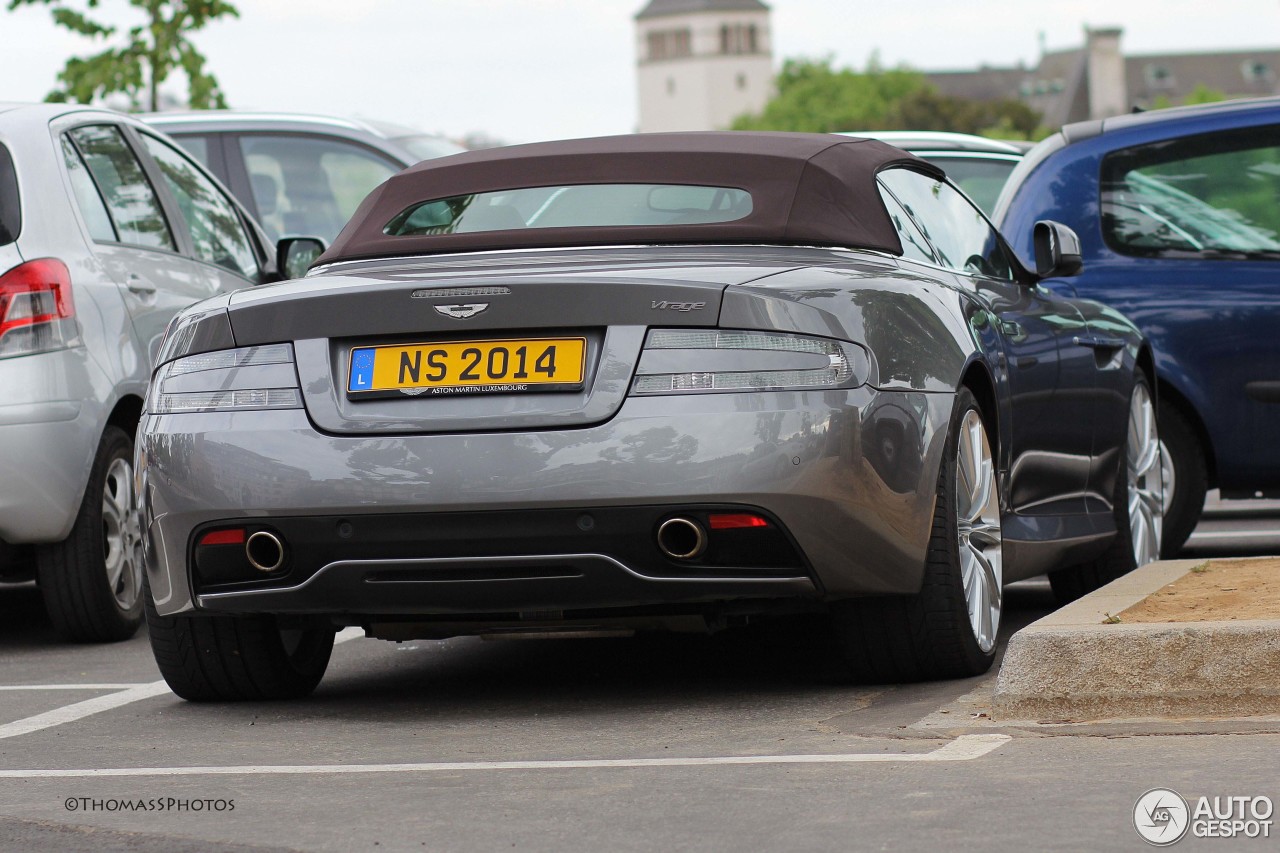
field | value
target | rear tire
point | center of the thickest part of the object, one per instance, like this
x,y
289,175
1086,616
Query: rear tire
x,y
1190,479
948,629
92,580
238,658
1139,490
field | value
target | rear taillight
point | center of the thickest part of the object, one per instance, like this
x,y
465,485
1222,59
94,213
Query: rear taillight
x,y
36,309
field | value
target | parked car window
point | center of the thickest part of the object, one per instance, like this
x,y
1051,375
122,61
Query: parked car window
x,y
914,246
981,177
1211,197
960,235
309,186
197,147
131,200
92,207
10,209
217,232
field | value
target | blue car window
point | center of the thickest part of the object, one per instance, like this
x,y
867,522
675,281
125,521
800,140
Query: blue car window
x,y
1210,197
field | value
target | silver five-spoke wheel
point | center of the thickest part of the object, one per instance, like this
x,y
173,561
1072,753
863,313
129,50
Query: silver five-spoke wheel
x,y
1146,469
978,530
120,535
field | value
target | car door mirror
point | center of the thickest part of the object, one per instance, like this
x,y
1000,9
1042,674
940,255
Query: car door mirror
x,y
1057,250
295,255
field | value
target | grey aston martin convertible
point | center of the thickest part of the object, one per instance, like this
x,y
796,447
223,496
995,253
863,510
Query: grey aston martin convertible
x,y
657,381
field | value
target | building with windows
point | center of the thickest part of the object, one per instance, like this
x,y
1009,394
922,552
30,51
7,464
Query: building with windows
x,y
1097,80
701,63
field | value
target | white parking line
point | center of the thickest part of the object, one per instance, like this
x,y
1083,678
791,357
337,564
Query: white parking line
x,y
126,694
80,710
963,748
1237,534
68,686
348,634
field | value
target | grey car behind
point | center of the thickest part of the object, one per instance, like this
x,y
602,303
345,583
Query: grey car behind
x,y
299,174
107,229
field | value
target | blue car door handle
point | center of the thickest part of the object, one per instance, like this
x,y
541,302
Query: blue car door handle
x,y
1263,391
1098,342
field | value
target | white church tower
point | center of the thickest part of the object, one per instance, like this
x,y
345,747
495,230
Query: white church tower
x,y
702,63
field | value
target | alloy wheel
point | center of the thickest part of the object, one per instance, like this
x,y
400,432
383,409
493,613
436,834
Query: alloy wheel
x,y
978,530
121,539
1168,478
1146,468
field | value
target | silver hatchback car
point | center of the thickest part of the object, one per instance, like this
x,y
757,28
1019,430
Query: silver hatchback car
x,y
107,229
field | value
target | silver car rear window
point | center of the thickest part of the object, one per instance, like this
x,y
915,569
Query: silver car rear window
x,y
573,206
10,210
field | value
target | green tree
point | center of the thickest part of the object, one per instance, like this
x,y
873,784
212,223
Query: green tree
x,y
813,96
1203,94
150,52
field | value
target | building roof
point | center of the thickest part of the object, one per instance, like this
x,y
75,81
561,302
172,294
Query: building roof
x,y
660,8
809,189
1058,87
1175,75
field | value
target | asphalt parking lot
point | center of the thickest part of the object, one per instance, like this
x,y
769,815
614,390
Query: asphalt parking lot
x,y
742,740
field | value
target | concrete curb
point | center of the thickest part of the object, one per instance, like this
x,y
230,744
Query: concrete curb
x,y
1071,666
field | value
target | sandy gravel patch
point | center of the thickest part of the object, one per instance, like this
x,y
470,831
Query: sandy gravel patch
x,y
1215,591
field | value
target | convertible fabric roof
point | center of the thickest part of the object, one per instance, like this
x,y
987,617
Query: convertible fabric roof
x,y
806,189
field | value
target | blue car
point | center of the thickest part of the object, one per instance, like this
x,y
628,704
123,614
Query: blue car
x,y
1178,213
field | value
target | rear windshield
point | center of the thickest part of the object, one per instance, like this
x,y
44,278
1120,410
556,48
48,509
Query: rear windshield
x,y
10,213
574,206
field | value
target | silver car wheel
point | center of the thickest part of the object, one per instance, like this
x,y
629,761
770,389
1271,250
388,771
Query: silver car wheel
x,y
978,530
1146,466
120,535
1167,477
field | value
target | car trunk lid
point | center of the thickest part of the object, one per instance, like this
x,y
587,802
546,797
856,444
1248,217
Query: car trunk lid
x,y
454,312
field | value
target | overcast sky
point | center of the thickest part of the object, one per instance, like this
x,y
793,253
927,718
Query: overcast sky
x,y
525,70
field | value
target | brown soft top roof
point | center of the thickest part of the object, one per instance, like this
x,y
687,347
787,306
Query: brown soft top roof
x,y
809,189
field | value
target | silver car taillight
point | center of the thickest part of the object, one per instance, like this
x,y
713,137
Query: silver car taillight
x,y
243,379
680,361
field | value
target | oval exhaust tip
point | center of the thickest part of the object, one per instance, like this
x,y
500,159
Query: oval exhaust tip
x,y
681,538
264,551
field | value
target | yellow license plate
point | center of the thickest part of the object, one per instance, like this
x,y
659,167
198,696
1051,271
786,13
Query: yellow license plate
x,y
469,367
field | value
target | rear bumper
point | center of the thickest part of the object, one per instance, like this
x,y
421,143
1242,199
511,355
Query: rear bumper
x,y
46,450
51,421
849,476
514,561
